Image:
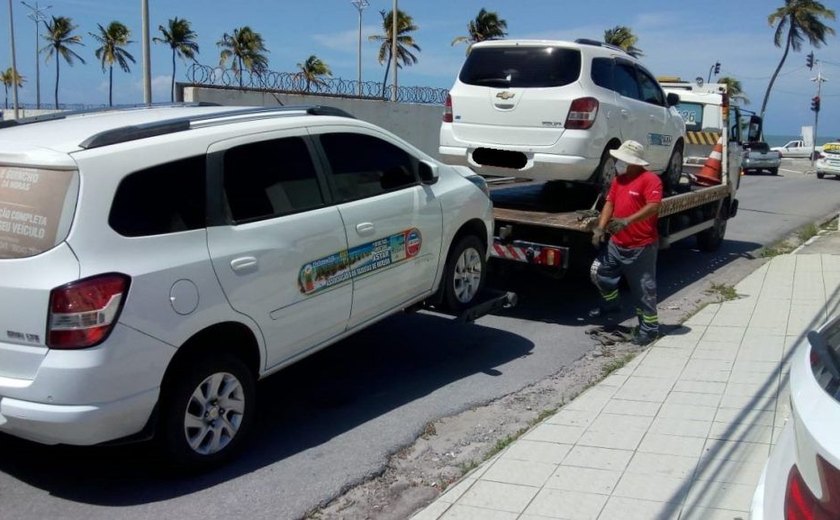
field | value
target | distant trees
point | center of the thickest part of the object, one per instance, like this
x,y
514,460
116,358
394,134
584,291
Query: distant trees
x,y
733,87
246,50
405,42
486,26
9,78
60,41
803,20
312,70
113,40
622,36
181,39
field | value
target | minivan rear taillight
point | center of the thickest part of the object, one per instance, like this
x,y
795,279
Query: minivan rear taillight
x,y
802,504
582,113
82,313
447,109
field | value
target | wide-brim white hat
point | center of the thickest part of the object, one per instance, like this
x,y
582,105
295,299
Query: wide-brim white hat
x,y
631,152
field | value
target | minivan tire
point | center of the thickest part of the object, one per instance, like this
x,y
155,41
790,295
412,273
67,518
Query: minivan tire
x,y
464,274
197,431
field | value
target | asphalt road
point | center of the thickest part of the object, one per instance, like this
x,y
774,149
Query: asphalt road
x,y
333,419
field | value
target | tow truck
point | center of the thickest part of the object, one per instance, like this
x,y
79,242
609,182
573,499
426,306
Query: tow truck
x,y
537,227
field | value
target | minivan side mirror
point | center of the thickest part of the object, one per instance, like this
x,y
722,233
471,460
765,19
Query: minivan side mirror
x,y
673,99
428,172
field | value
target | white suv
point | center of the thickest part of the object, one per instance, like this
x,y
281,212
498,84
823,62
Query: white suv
x,y
551,110
155,263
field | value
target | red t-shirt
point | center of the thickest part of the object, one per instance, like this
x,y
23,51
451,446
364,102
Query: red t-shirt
x,y
629,194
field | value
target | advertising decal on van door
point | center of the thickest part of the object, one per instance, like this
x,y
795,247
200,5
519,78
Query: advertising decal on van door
x,y
31,203
339,267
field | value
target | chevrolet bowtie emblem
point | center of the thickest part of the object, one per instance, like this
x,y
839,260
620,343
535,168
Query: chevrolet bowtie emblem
x,y
505,95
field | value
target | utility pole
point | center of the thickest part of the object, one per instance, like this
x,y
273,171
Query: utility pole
x,y
819,79
360,5
394,50
147,61
14,62
36,14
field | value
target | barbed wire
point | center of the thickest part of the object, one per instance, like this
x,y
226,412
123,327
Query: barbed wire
x,y
295,83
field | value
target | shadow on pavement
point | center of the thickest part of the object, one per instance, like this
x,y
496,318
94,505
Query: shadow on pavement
x,y
303,406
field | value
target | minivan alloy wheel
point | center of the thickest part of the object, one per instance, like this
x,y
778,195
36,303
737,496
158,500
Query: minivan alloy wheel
x,y
214,413
468,272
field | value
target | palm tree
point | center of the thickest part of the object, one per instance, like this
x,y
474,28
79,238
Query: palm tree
x,y
405,25
59,37
733,87
247,50
312,70
9,77
801,18
181,39
486,26
111,42
622,36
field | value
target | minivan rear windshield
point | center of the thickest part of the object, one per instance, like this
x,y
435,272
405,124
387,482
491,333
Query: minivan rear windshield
x,y
36,207
521,67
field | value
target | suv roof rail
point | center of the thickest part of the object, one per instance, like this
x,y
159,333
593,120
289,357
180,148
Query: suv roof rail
x,y
169,126
588,41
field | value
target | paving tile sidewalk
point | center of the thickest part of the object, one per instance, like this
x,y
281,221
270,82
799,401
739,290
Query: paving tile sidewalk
x,y
681,432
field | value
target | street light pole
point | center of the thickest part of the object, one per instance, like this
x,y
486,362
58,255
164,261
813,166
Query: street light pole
x,y
14,63
360,5
36,14
147,62
394,50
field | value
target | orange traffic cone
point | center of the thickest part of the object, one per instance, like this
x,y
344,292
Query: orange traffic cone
x,y
711,172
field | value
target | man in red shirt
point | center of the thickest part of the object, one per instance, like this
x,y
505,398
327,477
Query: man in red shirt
x,y
630,217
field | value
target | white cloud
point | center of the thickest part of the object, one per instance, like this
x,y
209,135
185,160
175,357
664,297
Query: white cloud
x,y
346,41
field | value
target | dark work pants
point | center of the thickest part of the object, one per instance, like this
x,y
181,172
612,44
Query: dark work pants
x,y
638,265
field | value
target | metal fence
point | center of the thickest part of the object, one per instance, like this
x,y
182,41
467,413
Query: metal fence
x,y
295,83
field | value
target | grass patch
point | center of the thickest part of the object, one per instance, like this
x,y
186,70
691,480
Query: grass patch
x,y
831,225
807,232
723,292
779,248
616,364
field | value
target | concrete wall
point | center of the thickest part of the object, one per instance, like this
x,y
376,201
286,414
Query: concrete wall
x,y
418,124
9,113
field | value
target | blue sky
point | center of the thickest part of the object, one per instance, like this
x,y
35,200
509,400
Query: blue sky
x,y
678,38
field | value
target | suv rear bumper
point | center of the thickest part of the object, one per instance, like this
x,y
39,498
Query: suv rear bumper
x,y
81,425
539,166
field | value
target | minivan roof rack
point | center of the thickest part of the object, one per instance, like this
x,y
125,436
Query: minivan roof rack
x,y
55,116
587,41
169,126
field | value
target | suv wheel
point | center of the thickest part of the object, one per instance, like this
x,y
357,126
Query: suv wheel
x,y
208,411
465,272
672,175
606,171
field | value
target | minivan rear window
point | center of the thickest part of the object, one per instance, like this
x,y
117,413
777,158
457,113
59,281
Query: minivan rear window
x,y
33,210
521,67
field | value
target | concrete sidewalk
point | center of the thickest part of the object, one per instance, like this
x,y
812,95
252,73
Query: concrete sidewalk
x,y
682,431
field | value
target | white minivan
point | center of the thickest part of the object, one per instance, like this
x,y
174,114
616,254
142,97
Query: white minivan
x,y
552,110
156,262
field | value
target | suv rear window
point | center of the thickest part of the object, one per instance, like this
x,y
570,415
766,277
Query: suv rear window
x,y
757,146
521,67
35,210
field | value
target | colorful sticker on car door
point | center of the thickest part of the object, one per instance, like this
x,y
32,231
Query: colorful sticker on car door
x,y
337,268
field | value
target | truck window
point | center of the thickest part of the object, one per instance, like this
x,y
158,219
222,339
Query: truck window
x,y
692,114
521,67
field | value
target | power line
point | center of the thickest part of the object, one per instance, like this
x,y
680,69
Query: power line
x,y
740,77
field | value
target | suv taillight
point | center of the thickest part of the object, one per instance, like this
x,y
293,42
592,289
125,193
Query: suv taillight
x,y
82,313
447,109
582,114
800,502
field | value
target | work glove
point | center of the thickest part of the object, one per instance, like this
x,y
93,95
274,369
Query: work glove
x,y
617,224
597,237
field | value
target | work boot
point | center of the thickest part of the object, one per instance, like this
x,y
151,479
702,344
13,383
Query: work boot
x,y
603,311
643,339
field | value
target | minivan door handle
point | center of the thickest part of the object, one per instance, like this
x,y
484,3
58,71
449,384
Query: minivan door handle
x,y
365,229
244,264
